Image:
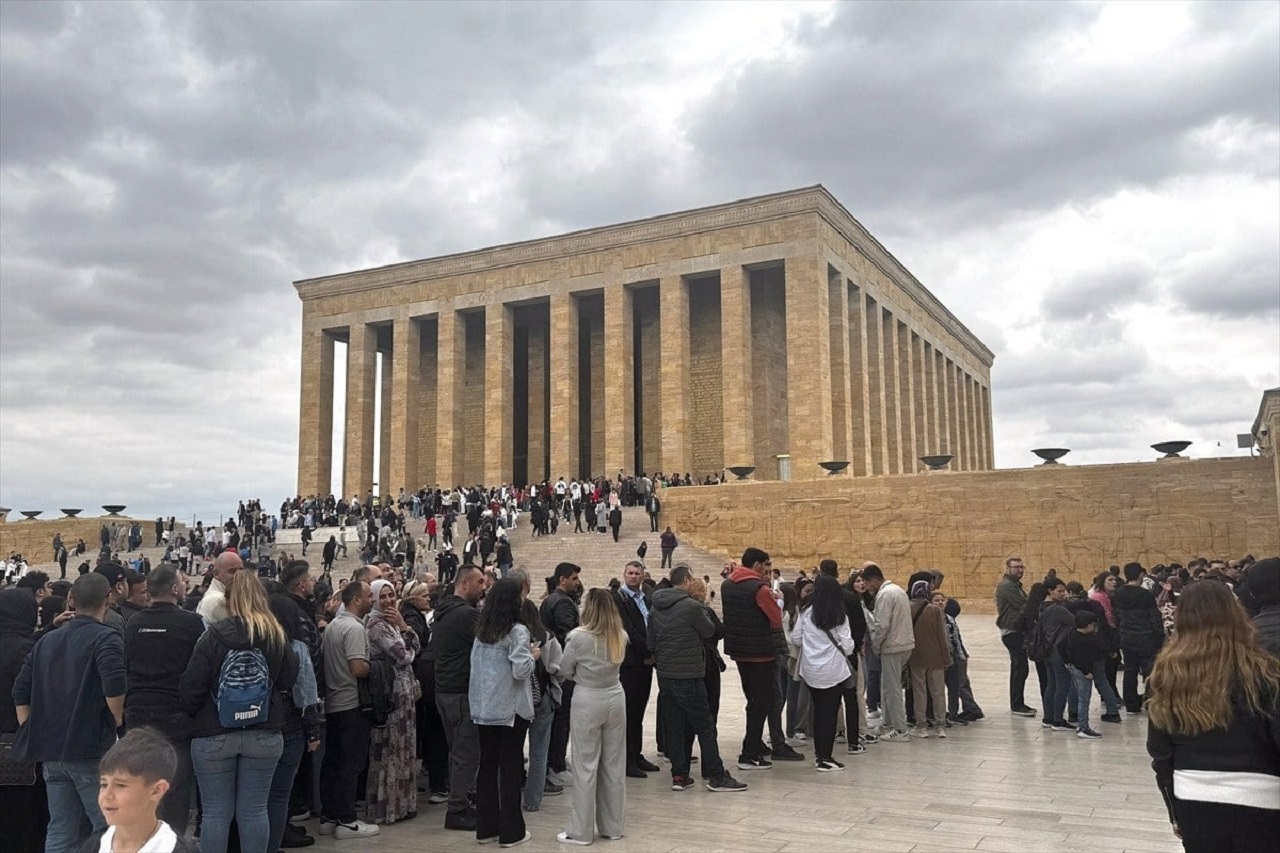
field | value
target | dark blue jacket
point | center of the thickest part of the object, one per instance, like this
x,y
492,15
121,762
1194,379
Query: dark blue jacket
x,y
65,680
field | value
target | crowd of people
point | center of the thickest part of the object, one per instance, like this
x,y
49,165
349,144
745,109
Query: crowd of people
x,y
261,700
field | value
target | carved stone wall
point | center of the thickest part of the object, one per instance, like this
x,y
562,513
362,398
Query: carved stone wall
x,y
1079,520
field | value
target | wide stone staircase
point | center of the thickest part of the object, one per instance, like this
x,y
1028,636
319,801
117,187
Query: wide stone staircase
x,y
600,557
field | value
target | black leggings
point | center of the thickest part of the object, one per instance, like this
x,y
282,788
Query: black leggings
x,y
1222,828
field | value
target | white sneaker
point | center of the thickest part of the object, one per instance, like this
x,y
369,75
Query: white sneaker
x,y
506,844
358,829
564,838
896,736
794,742
327,826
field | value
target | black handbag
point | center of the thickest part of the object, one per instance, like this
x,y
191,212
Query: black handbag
x,y
13,771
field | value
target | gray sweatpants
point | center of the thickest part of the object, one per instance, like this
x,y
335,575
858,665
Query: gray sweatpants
x,y
464,747
891,698
598,741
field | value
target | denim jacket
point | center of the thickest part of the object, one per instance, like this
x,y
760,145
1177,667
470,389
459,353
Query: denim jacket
x,y
499,688
305,691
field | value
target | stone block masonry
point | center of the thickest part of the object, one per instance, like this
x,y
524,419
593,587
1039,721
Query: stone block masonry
x,y
770,328
1076,519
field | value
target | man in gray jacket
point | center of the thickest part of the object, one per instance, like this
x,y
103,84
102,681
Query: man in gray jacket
x,y
893,639
1010,599
678,627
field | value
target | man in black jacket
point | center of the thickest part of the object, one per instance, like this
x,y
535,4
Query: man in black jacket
x,y
679,627
1141,632
559,615
452,634
636,673
158,643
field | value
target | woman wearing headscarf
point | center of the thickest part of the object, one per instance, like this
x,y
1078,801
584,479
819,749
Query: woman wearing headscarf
x,y
929,661
25,814
393,764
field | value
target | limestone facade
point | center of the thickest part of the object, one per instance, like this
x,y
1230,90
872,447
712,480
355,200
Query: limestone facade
x,y
1077,519
773,332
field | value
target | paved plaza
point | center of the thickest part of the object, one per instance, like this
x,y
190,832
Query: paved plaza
x,y
1003,784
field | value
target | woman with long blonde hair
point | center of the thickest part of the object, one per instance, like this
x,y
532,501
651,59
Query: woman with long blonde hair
x,y
231,689
1214,734
598,717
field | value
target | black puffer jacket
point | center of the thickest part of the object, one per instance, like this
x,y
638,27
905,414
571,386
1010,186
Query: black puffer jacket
x,y
1137,618
201,677
678,628
452,634
1268,624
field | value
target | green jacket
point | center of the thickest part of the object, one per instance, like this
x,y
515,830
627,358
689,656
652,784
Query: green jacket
x,y
1010,599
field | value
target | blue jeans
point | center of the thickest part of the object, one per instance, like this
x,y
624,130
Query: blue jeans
x,y
295,746
1058,690
1084,693
72,791
234,772
539,739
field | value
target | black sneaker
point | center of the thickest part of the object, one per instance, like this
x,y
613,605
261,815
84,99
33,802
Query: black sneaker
x,y
786,753
551,789
1073,719
826,765
973,716
726,784
646,765
681,783
464,821
753,762
957,720
1111,718
1024,711
1062,726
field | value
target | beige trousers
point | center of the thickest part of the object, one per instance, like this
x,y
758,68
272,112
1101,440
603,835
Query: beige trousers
x,y
935,680
598,740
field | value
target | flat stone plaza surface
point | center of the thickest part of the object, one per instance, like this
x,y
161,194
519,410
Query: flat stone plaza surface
x,y
1003,784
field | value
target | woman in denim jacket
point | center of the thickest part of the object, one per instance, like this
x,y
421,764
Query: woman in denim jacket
x,y
501,697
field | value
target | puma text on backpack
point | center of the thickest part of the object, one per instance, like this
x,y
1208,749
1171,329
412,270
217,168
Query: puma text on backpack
x,y
244,689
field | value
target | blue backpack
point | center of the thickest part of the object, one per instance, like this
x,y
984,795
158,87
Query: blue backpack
x,y
244,689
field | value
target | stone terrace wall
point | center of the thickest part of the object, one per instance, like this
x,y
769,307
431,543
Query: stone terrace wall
x,y
1079,520
34,539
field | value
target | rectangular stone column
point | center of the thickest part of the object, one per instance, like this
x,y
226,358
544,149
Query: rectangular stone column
x,y
315,415
987,428
619,380
906,399
673,296
406,366
499,380
808,366
961,415
953,431
564,387
735,366
841,404
893,411
451,365
919,397
427,401
537,385
357,471
971,396
859,406
878,431
384,427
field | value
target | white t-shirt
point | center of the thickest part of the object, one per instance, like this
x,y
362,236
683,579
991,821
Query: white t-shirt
x,y
163,840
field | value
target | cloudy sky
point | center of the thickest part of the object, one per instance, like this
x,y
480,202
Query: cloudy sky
x,y
1094,189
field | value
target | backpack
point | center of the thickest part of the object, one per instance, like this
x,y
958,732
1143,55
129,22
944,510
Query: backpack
x,y
1039,646
244,689
376,690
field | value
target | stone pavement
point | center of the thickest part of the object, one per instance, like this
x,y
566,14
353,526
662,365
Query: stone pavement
x,y
1003,784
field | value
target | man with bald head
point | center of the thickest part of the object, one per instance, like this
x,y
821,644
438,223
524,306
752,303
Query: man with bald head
x,y
213,604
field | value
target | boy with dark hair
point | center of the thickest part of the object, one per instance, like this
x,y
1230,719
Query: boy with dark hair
x,y
1083,651
134,777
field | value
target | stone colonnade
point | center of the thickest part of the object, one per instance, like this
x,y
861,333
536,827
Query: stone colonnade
x,y
779,356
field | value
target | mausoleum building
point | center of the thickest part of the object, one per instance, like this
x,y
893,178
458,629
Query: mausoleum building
x,y
773,332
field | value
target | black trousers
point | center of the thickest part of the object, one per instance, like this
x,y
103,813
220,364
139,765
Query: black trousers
x,y
764,704
346,750
558,746
1222,828
1018,668
175,808
1136,662
637,684
500,782
687,714
826,711
615,533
